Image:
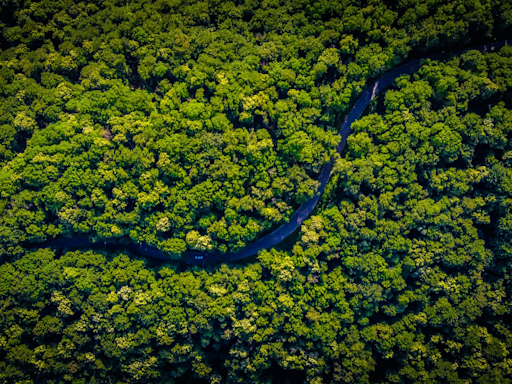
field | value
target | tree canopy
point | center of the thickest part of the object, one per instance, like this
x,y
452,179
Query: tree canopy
x,y
202,125
402,275
190,125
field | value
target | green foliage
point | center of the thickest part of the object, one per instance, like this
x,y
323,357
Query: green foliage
x,y
402,276
117,115
200,125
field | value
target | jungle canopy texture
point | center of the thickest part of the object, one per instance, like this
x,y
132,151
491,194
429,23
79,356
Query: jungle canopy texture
x,y
204,125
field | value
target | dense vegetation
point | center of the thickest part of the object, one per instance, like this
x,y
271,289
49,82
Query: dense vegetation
x,y
201,125
190,124
403,276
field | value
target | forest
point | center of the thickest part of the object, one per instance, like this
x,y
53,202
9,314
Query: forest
x,y
203,125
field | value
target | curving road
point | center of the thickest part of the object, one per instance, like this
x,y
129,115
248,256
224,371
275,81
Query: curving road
x,y
278,235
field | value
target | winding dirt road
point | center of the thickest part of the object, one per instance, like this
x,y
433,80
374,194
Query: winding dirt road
x,y
278,235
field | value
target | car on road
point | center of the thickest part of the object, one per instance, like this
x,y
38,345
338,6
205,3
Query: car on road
x,y
199,257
